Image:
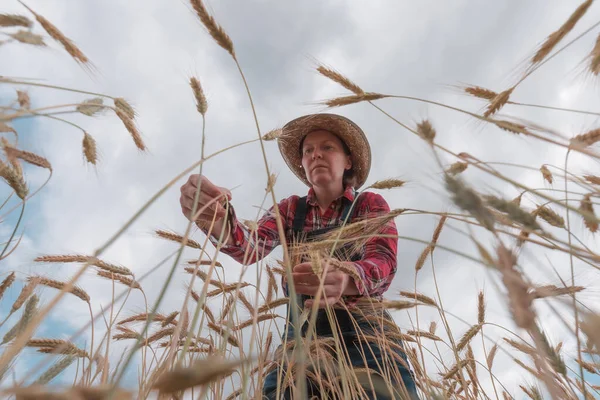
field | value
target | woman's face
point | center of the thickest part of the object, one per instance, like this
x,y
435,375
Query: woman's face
x,y
323,158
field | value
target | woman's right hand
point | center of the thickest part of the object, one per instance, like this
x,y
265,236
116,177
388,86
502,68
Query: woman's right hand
x,y
210,201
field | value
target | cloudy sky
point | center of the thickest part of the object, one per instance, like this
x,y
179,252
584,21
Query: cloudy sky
x,y
146,52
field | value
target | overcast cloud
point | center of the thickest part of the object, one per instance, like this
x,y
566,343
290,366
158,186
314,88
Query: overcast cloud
x,y
146,51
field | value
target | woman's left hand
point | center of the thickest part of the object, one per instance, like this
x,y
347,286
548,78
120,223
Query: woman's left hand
x,y
336,283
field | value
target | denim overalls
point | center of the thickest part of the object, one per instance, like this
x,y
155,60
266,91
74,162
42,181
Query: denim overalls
x,y
359,350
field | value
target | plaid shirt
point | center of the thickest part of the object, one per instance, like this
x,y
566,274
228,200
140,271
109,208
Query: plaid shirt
x,y
378,264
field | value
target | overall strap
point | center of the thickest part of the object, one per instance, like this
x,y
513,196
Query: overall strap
x,y
300,216
302,209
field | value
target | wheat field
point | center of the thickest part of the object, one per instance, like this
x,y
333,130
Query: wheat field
x,y
195,325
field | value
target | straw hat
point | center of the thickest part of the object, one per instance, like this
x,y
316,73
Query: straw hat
x,y
294,131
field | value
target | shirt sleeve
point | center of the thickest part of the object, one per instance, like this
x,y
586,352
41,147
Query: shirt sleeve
x,y
378,265
250,246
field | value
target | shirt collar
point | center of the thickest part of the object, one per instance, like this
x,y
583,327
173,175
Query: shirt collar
x,y
348,194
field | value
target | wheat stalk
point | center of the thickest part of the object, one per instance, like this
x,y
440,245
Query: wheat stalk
x,y
552,291
6,283
55,370
89,148
426,130
201,103
550,216
559,34
546,174
14,180
215,30
7,20
120,278
70,258
172,236
57,35
586,139
457,168
131,128
76,291
352,99
480,92
466,338
387,184
419,297
339,78
203,371
480,308
26,291
591,222
498,102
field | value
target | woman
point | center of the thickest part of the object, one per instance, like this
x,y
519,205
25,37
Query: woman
x,y
331,155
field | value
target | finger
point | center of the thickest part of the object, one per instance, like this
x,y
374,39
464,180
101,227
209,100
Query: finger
x,y
203,213
324,302
303,268
210,188
205,204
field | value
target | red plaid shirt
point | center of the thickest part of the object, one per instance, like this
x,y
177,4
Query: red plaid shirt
x,y
378,264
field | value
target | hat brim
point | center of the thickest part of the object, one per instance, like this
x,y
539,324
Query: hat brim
x,y
294,131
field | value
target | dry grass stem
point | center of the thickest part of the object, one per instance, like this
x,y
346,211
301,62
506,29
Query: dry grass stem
x,y
201,103
339,78
57,35
177,238
559,34
215,30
